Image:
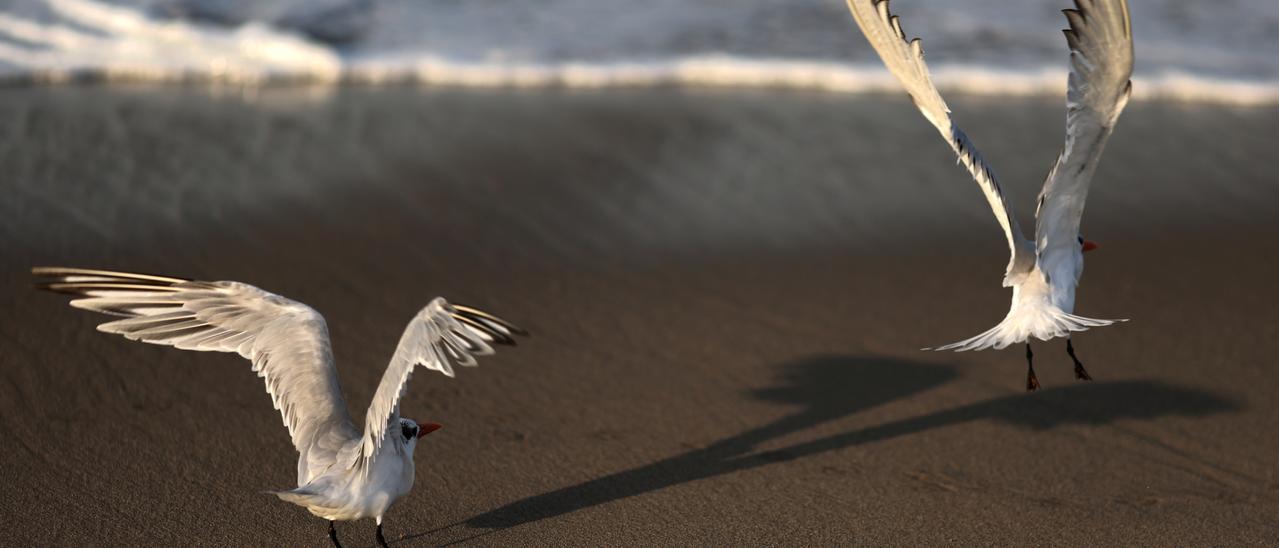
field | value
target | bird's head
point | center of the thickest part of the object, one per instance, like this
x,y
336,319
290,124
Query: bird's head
x,y
411,431
1087,245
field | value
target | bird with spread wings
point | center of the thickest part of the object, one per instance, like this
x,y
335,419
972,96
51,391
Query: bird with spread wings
x,y
343,473
1042,273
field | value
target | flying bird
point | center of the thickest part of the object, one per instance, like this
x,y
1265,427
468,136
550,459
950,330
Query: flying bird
x,y
343,473
1043,272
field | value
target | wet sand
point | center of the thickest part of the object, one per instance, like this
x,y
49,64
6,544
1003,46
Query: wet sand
x,y
727,292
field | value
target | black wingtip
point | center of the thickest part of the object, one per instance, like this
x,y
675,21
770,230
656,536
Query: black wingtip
x,y
1072,39
481,316
1075,17
497,336
45,286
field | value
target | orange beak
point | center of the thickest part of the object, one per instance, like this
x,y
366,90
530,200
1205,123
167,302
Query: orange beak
x,y
1090,245
426,428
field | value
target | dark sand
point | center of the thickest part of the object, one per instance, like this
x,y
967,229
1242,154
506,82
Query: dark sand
x,y
726,291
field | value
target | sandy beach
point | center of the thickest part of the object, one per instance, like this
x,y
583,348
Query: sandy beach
x,y
727,293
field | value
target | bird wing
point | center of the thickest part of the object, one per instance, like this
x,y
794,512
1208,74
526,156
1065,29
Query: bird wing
x,y
905,60
440,335
287,341
1100,40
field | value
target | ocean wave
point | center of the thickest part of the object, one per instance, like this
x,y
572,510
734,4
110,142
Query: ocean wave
x,y
113,43
90,40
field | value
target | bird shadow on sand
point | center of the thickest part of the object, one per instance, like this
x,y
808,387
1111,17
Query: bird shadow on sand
x,y
827,388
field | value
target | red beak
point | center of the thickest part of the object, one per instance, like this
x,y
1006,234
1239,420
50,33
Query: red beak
x,y
1090,245
426,428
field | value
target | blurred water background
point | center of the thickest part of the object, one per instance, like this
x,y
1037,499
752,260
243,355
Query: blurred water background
x,y
1221,51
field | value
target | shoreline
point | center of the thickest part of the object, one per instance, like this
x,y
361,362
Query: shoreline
x,y
701,73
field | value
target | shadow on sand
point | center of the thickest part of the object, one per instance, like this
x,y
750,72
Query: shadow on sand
x,y
830,387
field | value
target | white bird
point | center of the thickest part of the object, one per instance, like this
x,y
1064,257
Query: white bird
x,y
343,474
1043,273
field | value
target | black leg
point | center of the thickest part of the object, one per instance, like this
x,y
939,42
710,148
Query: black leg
x,y
1032,382
1080,372
381,540
333,535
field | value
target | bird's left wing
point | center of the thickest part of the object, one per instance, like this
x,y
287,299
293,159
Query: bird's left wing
x,y
441,335
1101,58
287,341
905,60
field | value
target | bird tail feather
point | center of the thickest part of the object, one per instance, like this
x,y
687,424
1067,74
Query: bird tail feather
x,y
300,496
1047,323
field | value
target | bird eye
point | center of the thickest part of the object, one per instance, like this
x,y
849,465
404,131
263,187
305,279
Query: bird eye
x,y
408,431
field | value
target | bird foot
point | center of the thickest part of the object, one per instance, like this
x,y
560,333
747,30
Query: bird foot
x,y
333,536
1032,382
381,540
1081,373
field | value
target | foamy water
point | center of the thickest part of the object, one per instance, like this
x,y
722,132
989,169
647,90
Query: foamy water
x,y
1192,51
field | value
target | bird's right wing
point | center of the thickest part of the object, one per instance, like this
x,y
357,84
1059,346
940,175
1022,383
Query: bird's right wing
x,y
440,335
287,341
1101,60
905,60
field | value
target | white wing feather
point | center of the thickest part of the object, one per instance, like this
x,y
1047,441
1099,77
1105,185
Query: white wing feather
x,y
905,60
287,341
288,344
438,337
1101,59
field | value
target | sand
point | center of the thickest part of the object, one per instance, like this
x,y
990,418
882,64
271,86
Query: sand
x,y
727,293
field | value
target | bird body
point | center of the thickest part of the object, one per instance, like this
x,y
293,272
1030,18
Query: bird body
x,y
343,473
1042,306
340,495
1043,272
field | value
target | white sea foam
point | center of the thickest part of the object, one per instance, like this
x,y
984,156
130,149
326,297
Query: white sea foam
x,y
727,71
90,39
118,43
